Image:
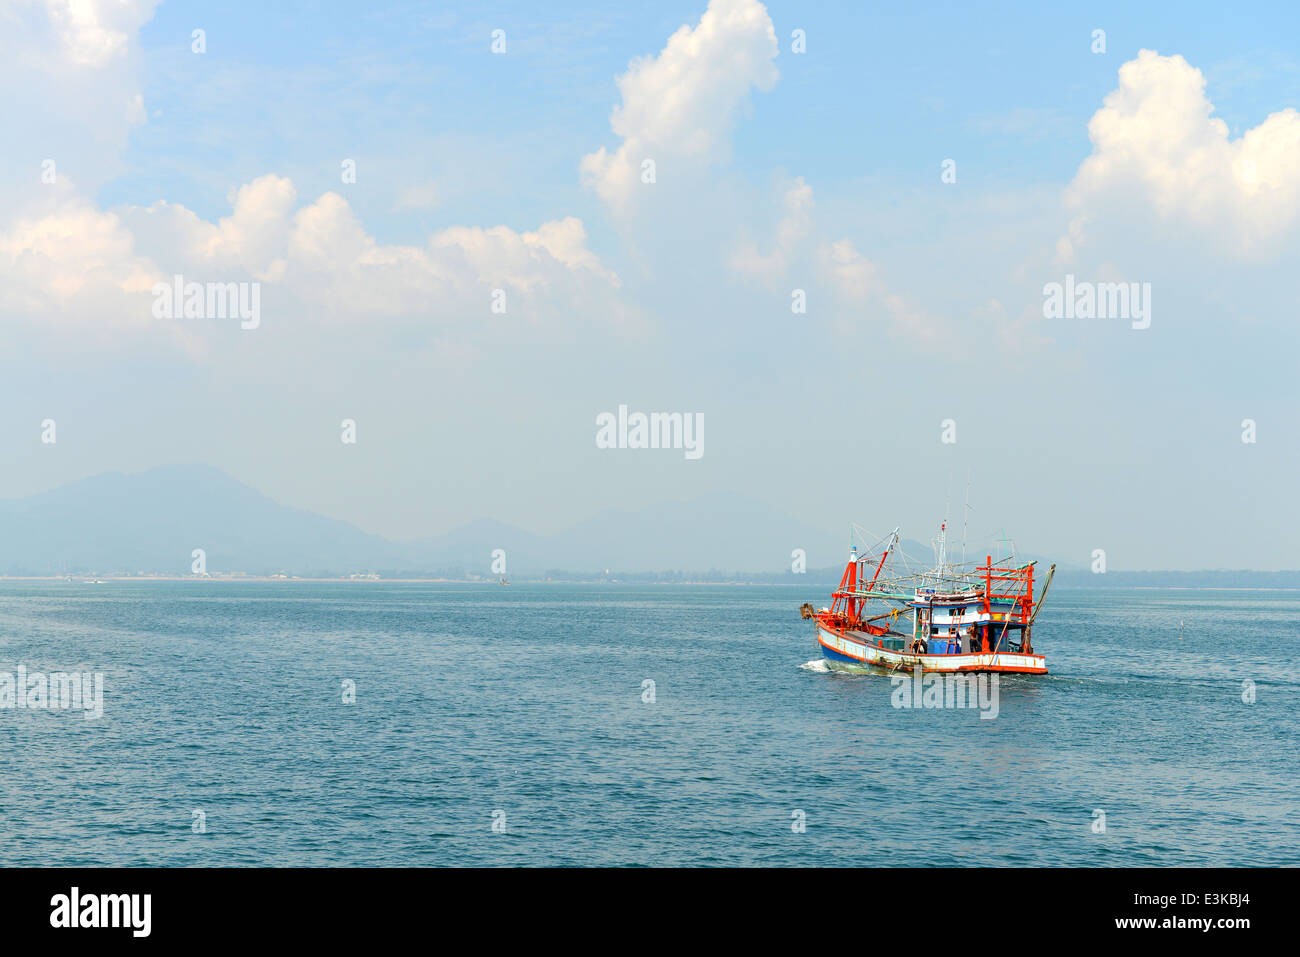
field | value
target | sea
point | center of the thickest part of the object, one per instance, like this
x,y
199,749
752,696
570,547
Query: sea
x,y
409,724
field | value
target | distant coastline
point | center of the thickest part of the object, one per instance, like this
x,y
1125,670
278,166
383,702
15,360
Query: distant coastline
x,y
1143,581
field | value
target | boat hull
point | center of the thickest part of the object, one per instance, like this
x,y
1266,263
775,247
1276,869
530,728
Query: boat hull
x,y
847,651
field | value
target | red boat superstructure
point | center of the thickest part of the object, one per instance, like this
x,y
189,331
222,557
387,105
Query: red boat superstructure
x,y
963,618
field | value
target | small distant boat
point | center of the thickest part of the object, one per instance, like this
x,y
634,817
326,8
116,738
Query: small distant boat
x,y
503,580
963,617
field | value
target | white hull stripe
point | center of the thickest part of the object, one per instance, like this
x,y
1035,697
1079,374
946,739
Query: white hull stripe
x,y
871,655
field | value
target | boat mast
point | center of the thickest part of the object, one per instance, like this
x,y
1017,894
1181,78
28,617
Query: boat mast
x,y
965,519
893,540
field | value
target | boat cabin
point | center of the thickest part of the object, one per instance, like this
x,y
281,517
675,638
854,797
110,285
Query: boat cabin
x,y
976,620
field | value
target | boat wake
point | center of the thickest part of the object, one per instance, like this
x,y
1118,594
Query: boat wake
x,y
818,665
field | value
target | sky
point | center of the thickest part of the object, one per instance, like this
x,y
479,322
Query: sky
x,y
456,249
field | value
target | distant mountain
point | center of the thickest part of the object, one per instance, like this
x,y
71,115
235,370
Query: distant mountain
x,y
152,521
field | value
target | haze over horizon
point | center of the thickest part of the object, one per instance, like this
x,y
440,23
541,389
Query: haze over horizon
x,y
151,522
492,272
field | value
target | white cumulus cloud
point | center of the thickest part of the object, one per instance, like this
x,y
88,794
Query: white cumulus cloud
x,y
95,32
678,108
1159,152
65,248
796,223
48,258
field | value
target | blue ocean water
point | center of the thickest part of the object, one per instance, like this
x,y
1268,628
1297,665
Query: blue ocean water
x,y
524,705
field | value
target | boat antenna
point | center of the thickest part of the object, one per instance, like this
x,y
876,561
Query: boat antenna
x,y
943,529
965,519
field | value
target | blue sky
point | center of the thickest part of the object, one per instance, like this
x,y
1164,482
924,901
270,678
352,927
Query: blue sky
x,y
881,91
776,170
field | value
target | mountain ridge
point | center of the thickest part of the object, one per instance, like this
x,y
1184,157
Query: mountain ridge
x,y
151,522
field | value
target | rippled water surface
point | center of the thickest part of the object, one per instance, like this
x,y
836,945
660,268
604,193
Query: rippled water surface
x,y
528,700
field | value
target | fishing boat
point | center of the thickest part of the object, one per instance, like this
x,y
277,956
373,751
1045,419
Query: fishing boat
x,y
963,617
